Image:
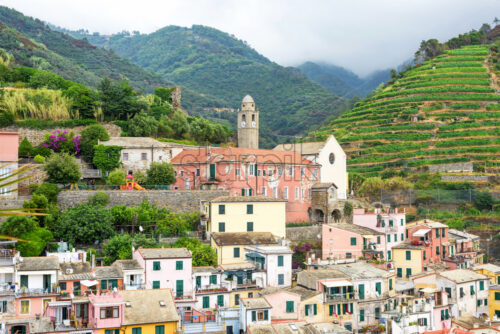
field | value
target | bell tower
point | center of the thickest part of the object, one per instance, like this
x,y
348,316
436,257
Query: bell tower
x,y
248,124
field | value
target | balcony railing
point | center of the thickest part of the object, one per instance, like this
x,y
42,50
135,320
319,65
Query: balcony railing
x,y
135,286
211,288
340,296
35,292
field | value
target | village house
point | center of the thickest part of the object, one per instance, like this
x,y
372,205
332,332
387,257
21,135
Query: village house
x,y
255,311
9,149
275,260
346,241
230,246
281,175
71,276
488,269
331,158
132,274
210,290
464,251
391,222
245,214
285,304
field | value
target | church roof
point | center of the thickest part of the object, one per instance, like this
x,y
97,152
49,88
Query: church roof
x,y
247,99
303,148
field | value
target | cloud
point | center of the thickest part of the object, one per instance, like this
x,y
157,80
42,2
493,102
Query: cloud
x,y
362,35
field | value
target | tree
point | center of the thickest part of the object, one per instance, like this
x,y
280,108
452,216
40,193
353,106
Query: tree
x,y
143,125
89,137
25,148
36,242
118,99
203,255
107,157
99,198
372,186
160,173
116,178
17,226
118,247
84,100
84,224
62,169
49,190
483,200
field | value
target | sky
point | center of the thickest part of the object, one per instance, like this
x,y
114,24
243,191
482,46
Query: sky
x,y
361,35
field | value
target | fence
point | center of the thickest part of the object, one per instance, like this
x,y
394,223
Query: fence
x,y
104,187
427,196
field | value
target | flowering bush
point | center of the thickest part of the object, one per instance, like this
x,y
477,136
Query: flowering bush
x,y
63,141
299,255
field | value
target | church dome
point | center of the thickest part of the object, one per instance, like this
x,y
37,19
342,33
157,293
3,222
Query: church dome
x,y
247,99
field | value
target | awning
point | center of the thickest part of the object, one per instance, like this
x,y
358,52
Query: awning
x,y
337,283
428,290
60,304
422,232
89,283
254,255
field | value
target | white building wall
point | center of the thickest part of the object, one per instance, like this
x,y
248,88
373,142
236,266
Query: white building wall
x,y
273,270
135,162
336,172
35,278
212,297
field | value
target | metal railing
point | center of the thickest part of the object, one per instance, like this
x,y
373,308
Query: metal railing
x,y
340,297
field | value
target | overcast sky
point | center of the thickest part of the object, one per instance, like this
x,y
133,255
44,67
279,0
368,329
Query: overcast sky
x,y
362,35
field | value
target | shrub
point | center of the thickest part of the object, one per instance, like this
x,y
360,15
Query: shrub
x,y
483,200
42,151
49,190
90,137
106,157
372,186
116,178
6,118
100,198
203,255
62,169
160,173
348,209
25,148
39,159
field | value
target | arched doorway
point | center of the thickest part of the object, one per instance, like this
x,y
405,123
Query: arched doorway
x,y
319,216
336,215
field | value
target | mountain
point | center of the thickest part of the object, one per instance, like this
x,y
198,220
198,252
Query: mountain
x,y
339,80
216,64
444,110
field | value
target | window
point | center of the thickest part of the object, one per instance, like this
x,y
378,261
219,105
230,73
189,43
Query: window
x,y
25,306
280,260
290,170
408,255
485,302
437,233
497,295
391,222
179,265
361,291
104,285
275,192
220,300
437,250
156,284
402,237
179,288
156,265
297,193
249,209
377,312
109,312
315,173
237,299
390,284
262,315
361,315
222,227
389,255
125,156
4,306
302,171
258,172
462,293
400,272
264,191
425,255
388,238
285,193
481,285
281,279
222,209
236,252
181,173
378,240
479,302
472,292
378,288
303,193
254,315
249,191
237,172
136,330
197,172
383,223
160,329
263,172
408,272
443,232
250,295
212,171
402,222
252,170
24,281
395,238
62,285
289,306
144,156
213,279
353,241
206,301
243,192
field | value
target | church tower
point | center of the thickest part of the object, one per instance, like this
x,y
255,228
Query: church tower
x,y
248,124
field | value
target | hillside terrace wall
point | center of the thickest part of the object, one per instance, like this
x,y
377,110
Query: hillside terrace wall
x,y
174,200
453,167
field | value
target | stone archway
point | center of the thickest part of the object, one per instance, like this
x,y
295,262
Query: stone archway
x,y
336,215
319,216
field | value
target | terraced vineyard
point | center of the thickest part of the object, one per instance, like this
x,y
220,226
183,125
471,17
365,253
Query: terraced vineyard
x,y
446,110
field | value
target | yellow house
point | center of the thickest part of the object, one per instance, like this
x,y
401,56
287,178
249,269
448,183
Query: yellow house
x,y
245,214
494,301
235,296
149,312
490,270
407,260
309,298
230,246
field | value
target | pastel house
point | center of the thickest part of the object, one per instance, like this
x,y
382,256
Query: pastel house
x,y
230,246
255,311
285,304
9,146
275,260
106,312
37,274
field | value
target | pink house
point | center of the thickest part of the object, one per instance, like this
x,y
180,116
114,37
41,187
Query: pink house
x,y
250,172
432,237
341,241
106,310
285,304
442,311
390,222
29,305
9,144
168,268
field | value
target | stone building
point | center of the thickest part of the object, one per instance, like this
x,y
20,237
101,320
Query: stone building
x,y
325,207
248,124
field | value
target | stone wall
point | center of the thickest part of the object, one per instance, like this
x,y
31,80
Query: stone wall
x,y
36,136
453,168
304,234
174,200
472,178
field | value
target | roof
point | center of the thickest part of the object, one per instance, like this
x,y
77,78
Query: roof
x,y
303,148
402,285
298,327
137,142
355,229
323,185
206,269
243,238
38,263
255,303
488,266
469,321
462,234
309,278
75,271
164,253
304,293
462,275
407,245
247,99
237,266
269,249
429,223
261,329
108,272
145,306
207,155
128,264
362,270
245,199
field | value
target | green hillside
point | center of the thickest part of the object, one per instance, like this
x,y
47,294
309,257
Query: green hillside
x,y
216,64
444,110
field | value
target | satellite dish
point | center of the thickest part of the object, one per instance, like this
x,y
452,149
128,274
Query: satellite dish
x,y
141,229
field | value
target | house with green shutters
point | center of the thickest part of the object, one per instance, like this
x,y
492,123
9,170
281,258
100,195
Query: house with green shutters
x,y
211,290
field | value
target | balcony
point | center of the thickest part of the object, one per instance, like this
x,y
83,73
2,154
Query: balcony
x,y
135,286
212,288
337,297
26,292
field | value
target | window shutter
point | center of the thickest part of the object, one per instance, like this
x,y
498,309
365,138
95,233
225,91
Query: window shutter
x,y
178,265
4,306
280,260
266,314
306,310
330,309
104,284
254,316
315,308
